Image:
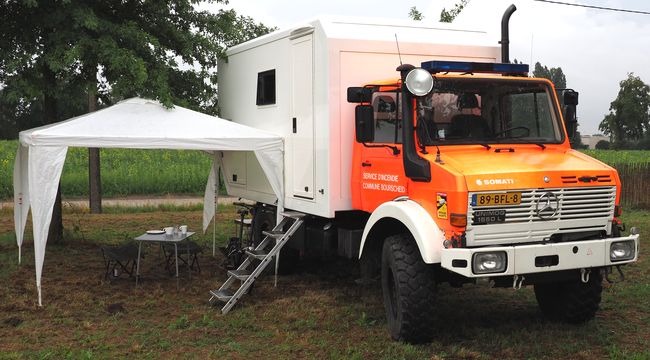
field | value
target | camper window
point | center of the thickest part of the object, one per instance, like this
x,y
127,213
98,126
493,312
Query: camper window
x,y
266,87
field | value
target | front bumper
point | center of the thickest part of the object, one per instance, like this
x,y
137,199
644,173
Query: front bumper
x,y
521,259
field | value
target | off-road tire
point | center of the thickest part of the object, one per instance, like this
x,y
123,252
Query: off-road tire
x,y
573,301
409,290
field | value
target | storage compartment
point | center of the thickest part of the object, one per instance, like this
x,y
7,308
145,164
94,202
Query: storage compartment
x,y
349,242
320,239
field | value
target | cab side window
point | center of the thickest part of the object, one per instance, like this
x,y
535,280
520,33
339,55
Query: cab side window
x,y
387,117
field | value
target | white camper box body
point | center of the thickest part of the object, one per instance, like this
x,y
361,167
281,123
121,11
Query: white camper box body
x,y
314,65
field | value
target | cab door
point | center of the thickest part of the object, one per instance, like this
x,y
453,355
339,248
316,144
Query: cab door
x,y
381,171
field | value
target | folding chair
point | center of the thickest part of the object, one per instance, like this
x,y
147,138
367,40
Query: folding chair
x,y
125,257
195,249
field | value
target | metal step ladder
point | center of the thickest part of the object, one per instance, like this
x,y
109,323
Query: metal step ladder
x,y
244,273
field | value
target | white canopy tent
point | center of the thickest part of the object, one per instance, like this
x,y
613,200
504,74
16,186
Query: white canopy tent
x,y
134,123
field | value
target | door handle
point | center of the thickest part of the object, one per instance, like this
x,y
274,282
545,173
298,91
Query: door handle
x,y
366,164
295,126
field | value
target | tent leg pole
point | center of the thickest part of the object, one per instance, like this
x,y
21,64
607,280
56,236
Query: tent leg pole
x,y
214,226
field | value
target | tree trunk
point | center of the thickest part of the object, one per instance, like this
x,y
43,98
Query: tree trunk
x,y
55,234
94,176
50,116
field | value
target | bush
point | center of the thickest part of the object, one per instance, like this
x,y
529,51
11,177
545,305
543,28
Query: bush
x,y
602,145
644,144
623,145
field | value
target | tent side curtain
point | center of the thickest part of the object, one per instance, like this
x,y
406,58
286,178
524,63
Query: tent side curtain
x,y
270,158
21,195
272,162
45,167
211,191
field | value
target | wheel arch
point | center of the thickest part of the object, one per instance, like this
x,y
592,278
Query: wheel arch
x,y
399,216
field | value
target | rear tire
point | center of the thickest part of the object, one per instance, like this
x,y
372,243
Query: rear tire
x,y
573,301
265,220
409,290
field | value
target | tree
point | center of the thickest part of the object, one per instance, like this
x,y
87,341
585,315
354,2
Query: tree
x,y
602,145
629,113
576,141
556,75
56,54
415,14
448,16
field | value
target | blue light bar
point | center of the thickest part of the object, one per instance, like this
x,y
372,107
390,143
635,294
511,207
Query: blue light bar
x,y
475,67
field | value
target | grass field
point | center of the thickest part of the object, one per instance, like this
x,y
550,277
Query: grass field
x,y
613,157
124,171
319,312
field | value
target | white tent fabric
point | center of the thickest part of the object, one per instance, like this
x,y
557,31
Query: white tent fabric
x,y
133,123
21,195
210,198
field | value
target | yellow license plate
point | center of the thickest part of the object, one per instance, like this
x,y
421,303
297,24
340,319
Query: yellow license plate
x,y
497,199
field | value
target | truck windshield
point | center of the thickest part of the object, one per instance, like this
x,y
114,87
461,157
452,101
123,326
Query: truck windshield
x,y
482,111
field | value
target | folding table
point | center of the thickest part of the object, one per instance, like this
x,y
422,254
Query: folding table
x,y
175,239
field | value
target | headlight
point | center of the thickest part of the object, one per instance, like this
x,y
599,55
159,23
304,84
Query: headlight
x,y
622,250
419,82
489,262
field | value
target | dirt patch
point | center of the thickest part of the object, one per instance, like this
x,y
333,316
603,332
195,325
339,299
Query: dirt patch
x,y
13,321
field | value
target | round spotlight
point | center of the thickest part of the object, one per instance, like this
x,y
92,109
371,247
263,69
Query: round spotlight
x,y
419,82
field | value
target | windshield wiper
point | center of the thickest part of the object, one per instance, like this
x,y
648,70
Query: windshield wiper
x,y
486,146
541,145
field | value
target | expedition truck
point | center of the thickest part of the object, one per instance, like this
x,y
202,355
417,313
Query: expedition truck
x,y
456,169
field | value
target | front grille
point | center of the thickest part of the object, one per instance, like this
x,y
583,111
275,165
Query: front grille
x,y
578,210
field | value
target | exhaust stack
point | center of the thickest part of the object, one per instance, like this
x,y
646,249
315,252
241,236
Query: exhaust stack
x,y
505,36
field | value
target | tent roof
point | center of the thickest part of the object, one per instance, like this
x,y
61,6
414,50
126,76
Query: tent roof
x,y
146,124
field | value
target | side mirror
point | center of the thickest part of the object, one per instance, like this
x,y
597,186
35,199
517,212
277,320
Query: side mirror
x,y
570,97
364,123
359,94
570,119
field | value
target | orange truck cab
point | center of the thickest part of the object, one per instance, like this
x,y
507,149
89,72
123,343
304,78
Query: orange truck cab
x,y
466,172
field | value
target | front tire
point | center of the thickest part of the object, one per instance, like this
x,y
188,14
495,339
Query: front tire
x,y
409,290
572,301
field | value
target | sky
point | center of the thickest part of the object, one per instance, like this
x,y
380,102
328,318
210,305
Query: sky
x,y
596,49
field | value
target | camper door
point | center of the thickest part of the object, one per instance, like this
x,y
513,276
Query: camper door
x,y
302,104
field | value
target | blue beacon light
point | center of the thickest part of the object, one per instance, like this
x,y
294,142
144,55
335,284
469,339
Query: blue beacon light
x,y
475,67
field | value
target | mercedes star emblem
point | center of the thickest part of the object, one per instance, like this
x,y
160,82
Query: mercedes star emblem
x,y
547,206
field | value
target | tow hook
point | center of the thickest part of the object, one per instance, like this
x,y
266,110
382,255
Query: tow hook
x,y
517,281
608,271
584,275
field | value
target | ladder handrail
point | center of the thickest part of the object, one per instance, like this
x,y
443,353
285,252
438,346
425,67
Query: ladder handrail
x,y
280,242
